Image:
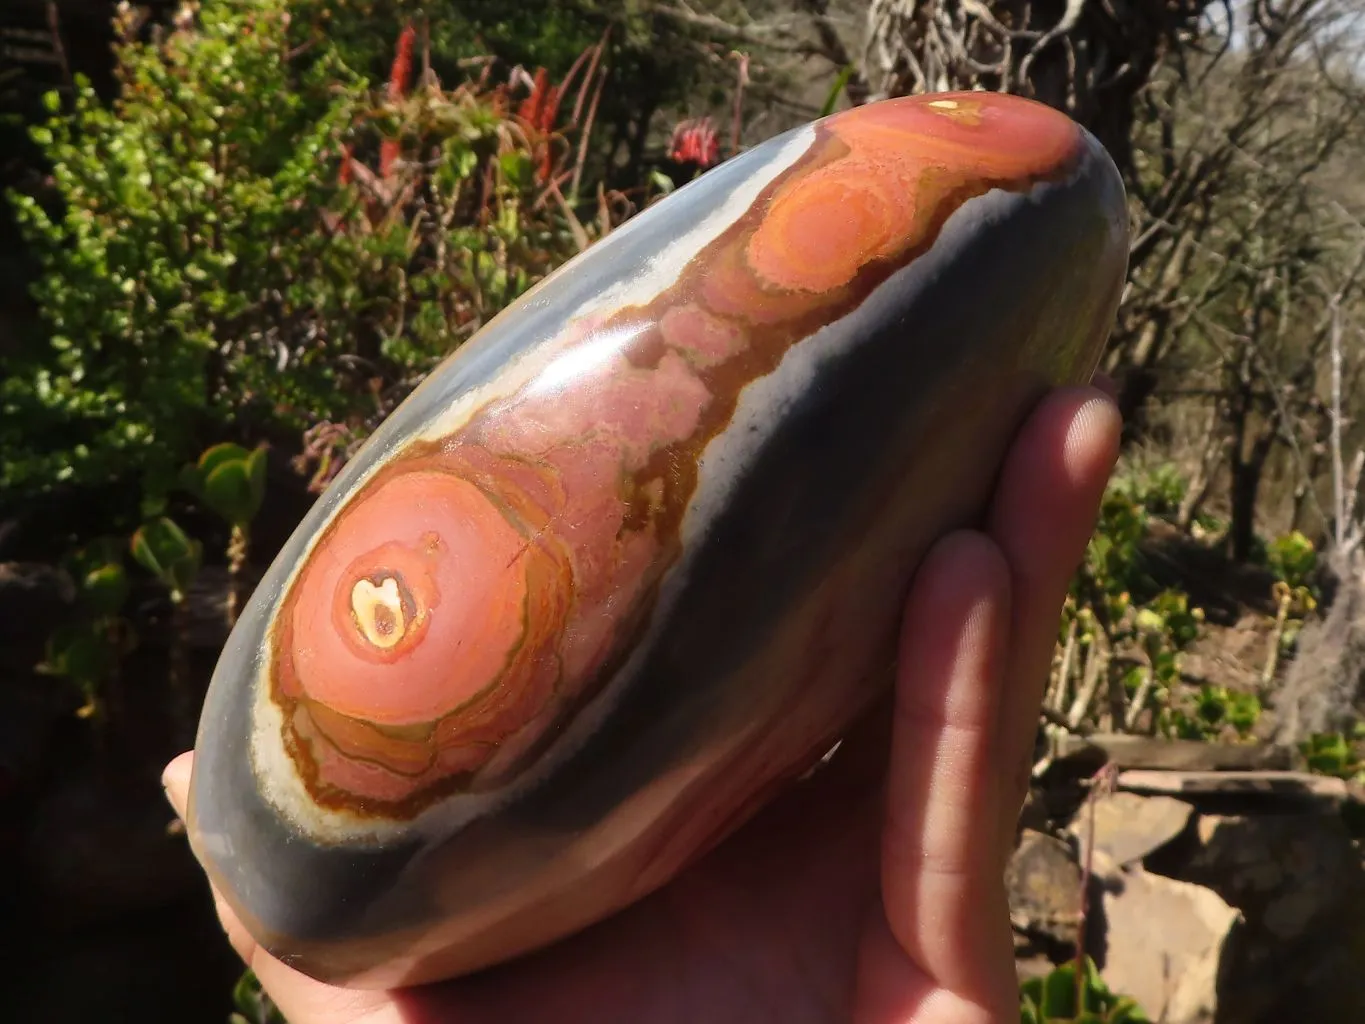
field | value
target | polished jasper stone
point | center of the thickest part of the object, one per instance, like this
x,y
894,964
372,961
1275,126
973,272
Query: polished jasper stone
x,y
636,553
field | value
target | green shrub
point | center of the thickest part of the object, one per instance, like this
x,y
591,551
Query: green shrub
x,y
653,65
1159,488
1061,997
230,481
87,650
1207,714
1338,754
1294,561
186,277
1129,630
253,239
162,548
251,1004
1292,558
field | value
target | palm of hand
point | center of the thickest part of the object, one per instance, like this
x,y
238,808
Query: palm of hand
x,y
872,891
768,927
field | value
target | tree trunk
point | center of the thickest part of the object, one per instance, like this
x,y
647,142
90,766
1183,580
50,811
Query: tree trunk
x,y
1323,684
1090,60
1248,469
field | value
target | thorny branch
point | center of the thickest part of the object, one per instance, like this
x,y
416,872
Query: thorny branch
x,y
1087,57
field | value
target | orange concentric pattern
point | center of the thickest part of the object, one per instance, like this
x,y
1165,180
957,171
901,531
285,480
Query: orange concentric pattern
x,y
479,589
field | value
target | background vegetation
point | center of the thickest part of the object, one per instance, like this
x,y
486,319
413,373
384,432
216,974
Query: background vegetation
x,y
239,232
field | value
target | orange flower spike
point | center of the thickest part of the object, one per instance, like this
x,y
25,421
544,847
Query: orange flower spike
x,y
400,73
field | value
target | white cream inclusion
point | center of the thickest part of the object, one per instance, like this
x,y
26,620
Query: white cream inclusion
x,y
378,611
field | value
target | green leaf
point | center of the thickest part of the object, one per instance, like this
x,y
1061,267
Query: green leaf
x,y
518,169
230,480
1127,1011
246,993
832,97
1292,558
98,571
1149,621
1095,992
81,653
1059,993
105,589
1052,999
661,182
227,490
253,1006
164,550
158,544
214,457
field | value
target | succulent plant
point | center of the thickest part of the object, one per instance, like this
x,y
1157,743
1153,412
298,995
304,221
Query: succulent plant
x,y
1064,997
162,548
87,650
230,480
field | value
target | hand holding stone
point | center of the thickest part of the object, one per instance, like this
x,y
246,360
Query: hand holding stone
x,y
631,561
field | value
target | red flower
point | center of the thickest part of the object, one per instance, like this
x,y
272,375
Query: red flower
x,y
539,109
389,152
695,142
402,65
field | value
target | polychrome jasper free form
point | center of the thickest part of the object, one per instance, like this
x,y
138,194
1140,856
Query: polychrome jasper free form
x,y
636,553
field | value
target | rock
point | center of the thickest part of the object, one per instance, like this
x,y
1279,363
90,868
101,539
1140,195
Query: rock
x,y
1163,943
1254,918
1128,827
1126,750
1298,882
633,558
1286,871
1277,786
1044,885
34,600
